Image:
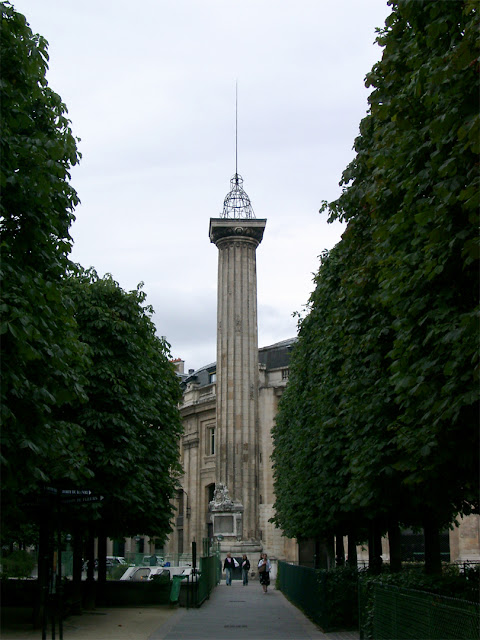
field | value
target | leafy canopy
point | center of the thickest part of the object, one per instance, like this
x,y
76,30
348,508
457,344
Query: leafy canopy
x,y
88,396
40,351
380,416
131,422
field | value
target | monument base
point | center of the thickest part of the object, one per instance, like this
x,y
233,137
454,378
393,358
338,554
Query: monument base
x,y
237,548
227,520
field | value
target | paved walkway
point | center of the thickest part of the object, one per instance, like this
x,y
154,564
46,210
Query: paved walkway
x,y
231,613
244,613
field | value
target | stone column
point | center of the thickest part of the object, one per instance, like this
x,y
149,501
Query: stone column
x,y
237,460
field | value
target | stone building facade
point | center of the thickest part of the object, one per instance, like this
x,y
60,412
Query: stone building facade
x,y
199,451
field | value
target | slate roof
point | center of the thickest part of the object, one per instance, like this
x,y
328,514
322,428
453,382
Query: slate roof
x,y
273,357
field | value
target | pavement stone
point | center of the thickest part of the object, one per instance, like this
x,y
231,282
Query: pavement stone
x,y
231,613
244,613
112,623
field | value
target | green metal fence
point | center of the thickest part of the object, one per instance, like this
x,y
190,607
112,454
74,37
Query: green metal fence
x,y
206,580
405,614
302,587
199,585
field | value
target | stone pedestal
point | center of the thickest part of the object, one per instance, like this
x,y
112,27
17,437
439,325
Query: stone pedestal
x,y
227,519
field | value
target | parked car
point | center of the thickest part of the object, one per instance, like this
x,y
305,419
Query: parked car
x,y
152,561
141,574
112,561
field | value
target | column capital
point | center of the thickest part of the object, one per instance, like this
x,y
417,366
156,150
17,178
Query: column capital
x,y
236,229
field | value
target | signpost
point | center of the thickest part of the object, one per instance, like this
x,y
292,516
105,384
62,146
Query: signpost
x,y
52,500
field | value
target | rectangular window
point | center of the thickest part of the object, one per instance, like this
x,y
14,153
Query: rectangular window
x,y
213,377
180,502
180,540
210,491
119,548
285,374
210,444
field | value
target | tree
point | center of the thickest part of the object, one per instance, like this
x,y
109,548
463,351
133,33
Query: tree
x,y
123,443
45,366
333,411
41,355
403,319
131,422
418,179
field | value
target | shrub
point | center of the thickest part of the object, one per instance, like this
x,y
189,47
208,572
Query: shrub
x,y
18,564
115,573
340,588
452,583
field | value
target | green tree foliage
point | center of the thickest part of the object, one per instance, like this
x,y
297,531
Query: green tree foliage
x,y
381,412
131,420
40,353
88,397
18,564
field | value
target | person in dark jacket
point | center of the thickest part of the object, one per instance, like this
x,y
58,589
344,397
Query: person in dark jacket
x,y
228,567
245,569
264,568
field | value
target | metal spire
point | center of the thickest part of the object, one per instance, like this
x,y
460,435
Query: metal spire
x,y
236,127
237,203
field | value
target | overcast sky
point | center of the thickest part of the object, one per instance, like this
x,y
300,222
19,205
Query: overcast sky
x,y
150,90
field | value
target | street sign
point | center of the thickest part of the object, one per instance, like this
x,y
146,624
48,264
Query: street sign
x,y
68,492
62,496
81,499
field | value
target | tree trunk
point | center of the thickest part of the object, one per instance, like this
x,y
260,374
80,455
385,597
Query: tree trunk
x,y
352,551
44,568
89,594
77,572
324,553
317,556
433,561
374,547
394,541
102,558
339,549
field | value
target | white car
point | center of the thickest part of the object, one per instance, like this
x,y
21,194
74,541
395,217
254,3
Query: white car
x,y
140,574
114,561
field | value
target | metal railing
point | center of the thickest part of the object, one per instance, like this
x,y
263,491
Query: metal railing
x,y
301,586
207,581
200,583
404,614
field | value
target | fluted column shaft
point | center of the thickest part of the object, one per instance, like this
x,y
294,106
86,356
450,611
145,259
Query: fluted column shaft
x,y
237,463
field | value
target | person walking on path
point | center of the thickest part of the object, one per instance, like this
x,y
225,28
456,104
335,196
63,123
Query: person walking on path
x,y
245,569
264,568
228,566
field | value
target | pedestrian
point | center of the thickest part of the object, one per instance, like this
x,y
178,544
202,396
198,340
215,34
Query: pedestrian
x,y
153,561
245,569
228,566
264,568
